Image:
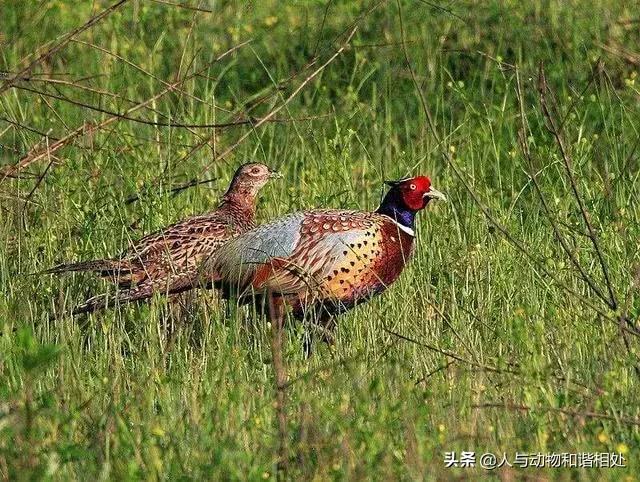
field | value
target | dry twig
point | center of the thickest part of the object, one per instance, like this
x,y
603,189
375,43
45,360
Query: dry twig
x,y
564,411
302,85
38,154
59,45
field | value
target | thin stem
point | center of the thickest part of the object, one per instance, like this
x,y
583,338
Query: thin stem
x,y
276,314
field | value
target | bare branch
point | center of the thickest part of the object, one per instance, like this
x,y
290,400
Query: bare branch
x,y
455,356
302,85
175,190
182,5
220,125
36,155
555,130
146,72
60,44
564,411
524,147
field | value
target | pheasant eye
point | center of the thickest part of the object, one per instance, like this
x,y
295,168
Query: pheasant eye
x,y
412,187
255,170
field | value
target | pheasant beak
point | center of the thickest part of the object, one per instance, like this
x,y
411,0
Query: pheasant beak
x,y
275,175
434,194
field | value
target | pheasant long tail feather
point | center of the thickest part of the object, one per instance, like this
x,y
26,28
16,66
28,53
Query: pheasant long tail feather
x,y
106,266
100,302
137,293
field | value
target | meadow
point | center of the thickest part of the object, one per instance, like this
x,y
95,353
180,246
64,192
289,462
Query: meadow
x,y
514,329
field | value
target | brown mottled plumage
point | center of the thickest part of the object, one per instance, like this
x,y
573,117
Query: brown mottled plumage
x,y
167,261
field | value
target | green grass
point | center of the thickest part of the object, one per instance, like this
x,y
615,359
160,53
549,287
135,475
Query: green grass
x,y
154,391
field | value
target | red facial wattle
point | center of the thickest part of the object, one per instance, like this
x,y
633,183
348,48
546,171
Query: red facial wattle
x,y
413,192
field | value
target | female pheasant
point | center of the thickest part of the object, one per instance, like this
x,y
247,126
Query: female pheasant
x,y
324,262
168,260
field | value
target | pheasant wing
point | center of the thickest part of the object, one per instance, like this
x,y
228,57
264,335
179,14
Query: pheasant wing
x,y
291,255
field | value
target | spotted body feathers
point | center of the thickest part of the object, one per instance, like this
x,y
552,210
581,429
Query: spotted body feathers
x,y
326,261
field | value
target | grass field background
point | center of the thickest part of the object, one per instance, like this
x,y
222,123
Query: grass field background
x,y
491,341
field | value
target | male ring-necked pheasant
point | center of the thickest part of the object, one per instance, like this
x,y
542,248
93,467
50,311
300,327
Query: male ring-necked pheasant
x,y
167,261
324,262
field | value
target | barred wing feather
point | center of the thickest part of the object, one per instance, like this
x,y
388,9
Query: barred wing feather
x,y
237,260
